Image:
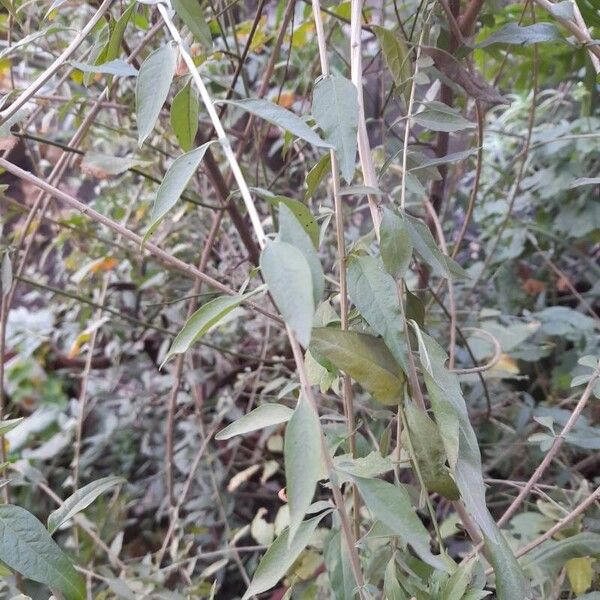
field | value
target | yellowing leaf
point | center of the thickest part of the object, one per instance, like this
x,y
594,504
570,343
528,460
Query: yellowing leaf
x,y
104,264
580,573
506,364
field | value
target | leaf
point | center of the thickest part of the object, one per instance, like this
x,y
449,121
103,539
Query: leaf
x,y
173,185
113,48
365,358
289,279
300,211
303,463
191,13
280,556
360,190
316,175
437,116
456,587
9,424
553,554
263,416
184,116
430,454
103,166
114,67
27,547
374,293
6,275
563,10
80,500
335,108
584,181
206,317
392,506
292,232
396,54
391,588
464,457
396,244
428,250
7,125
522,36
580,573
277,115
152,87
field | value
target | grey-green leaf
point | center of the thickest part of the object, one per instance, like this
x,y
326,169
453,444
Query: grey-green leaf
x,y
80,500
277,115
374,293
292,232
303,464
396,54
280,556
174,184
522,36
114,67
437,116
365,358
289,279
264,415
191,13
335,108
553,554
391,504
27,547
207,316
184,116
9,424
152,87
396,244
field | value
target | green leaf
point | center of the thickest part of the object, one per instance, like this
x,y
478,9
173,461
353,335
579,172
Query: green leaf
x,y
191,13
392,506
174,184
289,279
428,250
303,463
80,500
437,116
456,586
113,48
391,588
103,165
553,554
396,54
365,358
522,36
262,416
114,67
184,116
335,108
396,244
152,87
27,547
277,115
206,317
430,454
316,175
300,211
292,232
464,457
374,293
280,556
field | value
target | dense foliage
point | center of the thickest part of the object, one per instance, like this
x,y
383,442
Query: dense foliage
x,y
299,300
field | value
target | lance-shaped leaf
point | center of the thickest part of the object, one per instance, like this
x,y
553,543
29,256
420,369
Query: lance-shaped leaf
x,y
191,13
280,556
430,454
464,457
174,184
206,317
263,416
184,116
289,280
374,293
9,424
396,54
27,547
113,48
396,244
114,67
152,87
365,358
437,116
553,554
317,174
391,505
303,464
80,500
335,108
292,232
522,36
282,117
